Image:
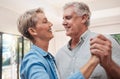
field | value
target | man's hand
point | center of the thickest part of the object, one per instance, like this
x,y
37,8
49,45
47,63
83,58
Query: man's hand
x,y
102,48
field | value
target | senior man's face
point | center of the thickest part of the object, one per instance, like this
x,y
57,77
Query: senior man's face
x,y
72,22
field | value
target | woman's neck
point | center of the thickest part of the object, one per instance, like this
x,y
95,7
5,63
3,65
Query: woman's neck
x,y
42,44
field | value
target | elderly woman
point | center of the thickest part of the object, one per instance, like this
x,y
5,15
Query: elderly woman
x,y
38,63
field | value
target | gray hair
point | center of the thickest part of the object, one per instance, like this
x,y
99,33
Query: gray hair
x,y
81,9
28,19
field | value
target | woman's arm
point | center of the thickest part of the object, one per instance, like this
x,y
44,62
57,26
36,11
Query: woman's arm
x,y
88,68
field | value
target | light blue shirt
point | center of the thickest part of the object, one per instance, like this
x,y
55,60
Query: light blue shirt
x,y
38,64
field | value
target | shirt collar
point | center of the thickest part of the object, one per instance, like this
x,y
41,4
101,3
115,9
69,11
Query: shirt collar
x,y
82,38
85,34
41,51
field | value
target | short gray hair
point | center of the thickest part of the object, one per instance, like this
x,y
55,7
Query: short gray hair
x,y
81,9
28,19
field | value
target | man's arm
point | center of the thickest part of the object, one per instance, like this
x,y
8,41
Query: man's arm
x,y
102,48
113,70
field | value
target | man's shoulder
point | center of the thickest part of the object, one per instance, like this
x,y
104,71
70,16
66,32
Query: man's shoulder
x,y
61,51
91,34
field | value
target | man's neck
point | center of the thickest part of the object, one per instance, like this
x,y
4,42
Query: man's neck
x,y
75,40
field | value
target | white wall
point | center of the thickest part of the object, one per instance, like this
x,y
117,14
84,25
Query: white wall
x,y
109,25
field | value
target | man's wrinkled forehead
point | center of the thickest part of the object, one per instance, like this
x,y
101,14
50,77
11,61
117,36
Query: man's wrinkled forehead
x,y
68,11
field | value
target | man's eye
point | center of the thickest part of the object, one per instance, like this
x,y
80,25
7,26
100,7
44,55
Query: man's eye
x,y
68,17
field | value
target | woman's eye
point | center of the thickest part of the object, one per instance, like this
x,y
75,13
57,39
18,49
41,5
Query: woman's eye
x,y
45,21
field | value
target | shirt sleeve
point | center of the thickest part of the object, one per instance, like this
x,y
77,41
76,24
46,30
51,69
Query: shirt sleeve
x,y
33,69
37,71
77,75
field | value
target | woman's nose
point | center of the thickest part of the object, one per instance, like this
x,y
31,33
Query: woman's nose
x,y
51,24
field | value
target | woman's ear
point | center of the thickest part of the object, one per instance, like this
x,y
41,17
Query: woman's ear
x,y
32,31
84,18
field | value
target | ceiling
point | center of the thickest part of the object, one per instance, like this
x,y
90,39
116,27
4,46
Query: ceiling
x,y
10,10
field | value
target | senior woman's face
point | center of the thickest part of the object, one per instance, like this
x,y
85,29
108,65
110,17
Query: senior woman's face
x,y
43,28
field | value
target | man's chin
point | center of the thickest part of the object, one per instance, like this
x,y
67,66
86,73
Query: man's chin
x,y
67,34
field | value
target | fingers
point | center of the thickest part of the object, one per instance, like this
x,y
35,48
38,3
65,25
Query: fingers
x,y
100,39
100,46
100,42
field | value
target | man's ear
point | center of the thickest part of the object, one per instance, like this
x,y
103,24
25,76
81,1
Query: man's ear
x,y
32,31
84,18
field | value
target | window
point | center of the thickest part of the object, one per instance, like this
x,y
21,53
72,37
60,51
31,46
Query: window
x,y
116,37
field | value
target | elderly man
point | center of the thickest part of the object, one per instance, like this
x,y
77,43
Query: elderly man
x,y
76,52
